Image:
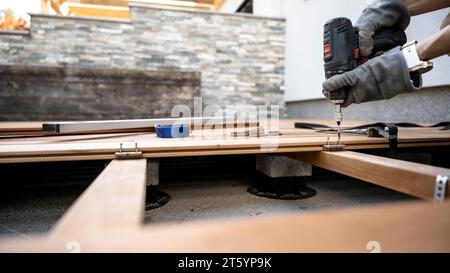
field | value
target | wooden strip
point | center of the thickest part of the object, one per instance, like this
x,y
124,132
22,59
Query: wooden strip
x,y
25,126
407,177
404,227
114,201
103,146
149,142
184,153
99,11
154,144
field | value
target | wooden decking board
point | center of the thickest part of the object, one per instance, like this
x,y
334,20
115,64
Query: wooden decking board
x,y
403,227
217,142
114,201
103,146
187,153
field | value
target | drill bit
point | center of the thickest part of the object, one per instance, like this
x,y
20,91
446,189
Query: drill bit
x,y
338,115
338,132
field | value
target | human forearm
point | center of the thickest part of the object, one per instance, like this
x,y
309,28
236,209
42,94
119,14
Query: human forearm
x,y
417,7
435,46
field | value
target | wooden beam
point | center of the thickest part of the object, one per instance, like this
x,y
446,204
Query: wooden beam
x,y
123,3
178,4
99,11
117,3
403,227
407,177
218,4
56,4
44,6
114,201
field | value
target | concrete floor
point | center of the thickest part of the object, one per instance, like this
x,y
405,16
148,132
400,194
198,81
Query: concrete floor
x,y
218,199
24,213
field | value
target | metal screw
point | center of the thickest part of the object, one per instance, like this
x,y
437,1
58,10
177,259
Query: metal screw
x,y
135,147
121,147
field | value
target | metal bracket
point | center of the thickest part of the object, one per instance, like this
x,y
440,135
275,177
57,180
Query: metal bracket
x,y
440,188
390,132
120,155
332,147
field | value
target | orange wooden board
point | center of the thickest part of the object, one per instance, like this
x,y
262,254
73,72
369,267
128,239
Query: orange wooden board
x,y
201,142
404,227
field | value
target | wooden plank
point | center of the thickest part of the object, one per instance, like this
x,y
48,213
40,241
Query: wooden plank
x,y
114,201
101,11
201,142
189,153
56,157
218,4
150,143
24,126
44,6
407,177
118,3
403,227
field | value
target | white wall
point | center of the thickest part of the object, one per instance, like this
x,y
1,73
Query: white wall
x,y
268,8
21,7
304,42
421,27
305,19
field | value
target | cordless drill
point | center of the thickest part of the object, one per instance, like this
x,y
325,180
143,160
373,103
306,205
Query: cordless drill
x,y
341,54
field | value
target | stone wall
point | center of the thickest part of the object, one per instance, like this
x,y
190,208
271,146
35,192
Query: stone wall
x,y
240,57
31,92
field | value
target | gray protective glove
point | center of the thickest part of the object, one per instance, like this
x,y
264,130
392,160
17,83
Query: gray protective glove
x,y
379,78
378,15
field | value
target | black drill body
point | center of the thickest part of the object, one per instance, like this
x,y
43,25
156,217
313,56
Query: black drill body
x,y
341,48
341,53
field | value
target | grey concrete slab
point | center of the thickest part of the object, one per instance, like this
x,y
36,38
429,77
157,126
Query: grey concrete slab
x,y
218,199
25,213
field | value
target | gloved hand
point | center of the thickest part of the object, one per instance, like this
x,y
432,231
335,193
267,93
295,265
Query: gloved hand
x,y
378,15
379,78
